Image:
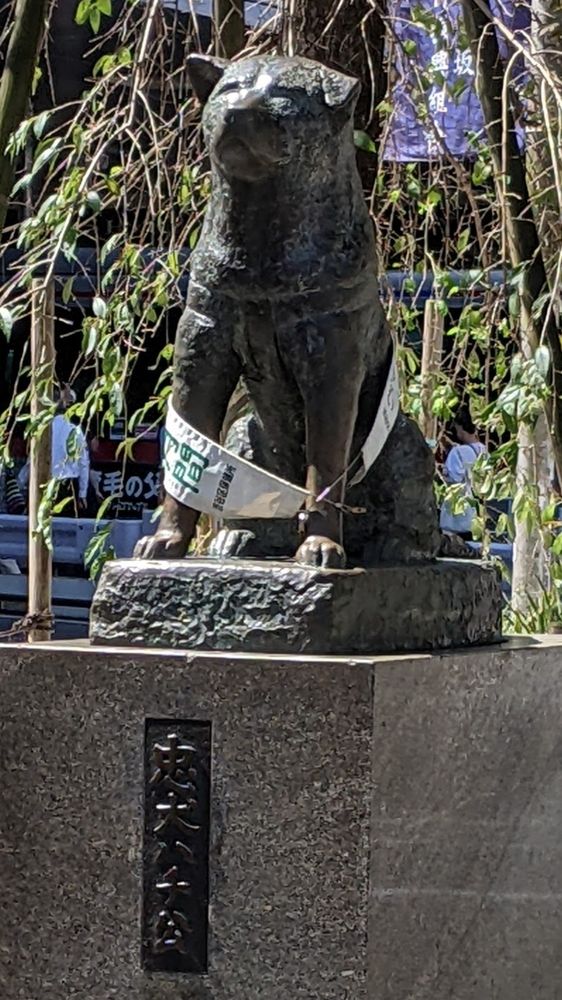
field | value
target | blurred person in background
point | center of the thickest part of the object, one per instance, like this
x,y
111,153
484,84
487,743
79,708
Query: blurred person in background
x,y
70,460
11,499
457,469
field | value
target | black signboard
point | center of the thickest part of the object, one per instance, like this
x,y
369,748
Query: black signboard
x,y
132,486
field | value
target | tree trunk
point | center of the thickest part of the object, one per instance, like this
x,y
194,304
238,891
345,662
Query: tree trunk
x,y
543,137
229,27
40,570
511,182
534,464
530,565
432,349
530,578
17,83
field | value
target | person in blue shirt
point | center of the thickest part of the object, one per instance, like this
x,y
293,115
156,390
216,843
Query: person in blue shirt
x,y
457,469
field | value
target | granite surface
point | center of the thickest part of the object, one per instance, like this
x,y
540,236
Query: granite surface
x,y
384,829
290,812
466,872
278,607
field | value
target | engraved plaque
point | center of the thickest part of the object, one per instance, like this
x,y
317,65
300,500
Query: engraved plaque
x,y
176,846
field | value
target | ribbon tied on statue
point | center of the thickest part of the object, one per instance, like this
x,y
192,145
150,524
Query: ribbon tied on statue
x,y
202,475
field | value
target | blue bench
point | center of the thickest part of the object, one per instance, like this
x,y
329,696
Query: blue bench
x,y
71,537
72,598
72,595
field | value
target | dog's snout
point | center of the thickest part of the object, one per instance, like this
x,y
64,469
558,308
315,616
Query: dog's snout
x,y
246,101
245,115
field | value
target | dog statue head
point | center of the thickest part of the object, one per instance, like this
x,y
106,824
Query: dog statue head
x,y
263,114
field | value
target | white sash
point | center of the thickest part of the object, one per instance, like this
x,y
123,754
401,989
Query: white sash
x,y
202,475
384,421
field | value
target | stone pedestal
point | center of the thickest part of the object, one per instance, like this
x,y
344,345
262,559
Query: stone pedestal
x,y
380,829
245,605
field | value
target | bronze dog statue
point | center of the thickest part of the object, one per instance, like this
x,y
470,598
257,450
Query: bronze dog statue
x,y
283,293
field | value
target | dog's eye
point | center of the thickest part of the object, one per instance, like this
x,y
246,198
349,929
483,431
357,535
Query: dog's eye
x,y
291,94
229,88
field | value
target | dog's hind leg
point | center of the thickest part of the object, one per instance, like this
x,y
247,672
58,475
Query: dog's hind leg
x,y
401,525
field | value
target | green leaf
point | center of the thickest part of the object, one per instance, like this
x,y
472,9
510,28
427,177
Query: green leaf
x,y
37,77
385,107
6,321
105,506
116,400
556,548
60,506
47,205
173,264
516,366
18,139
110,362
82,12
67,290
89,339
463,239
94,201
98,550
47,152
481,172
125,56
103,65
364,142
95,20
104,6
99,307
108,247
22,184
549,513
433,197
39,124
542,360
540,304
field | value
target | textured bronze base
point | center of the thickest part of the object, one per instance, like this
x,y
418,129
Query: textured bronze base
x,y
280,607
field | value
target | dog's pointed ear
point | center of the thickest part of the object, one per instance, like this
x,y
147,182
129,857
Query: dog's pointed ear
x,y
340,91
204,73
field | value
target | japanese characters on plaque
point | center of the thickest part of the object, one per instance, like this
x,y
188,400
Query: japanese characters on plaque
x,y
176,846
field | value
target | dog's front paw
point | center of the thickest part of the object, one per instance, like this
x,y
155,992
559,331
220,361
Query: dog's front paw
x,y
162,545
231,543
321,552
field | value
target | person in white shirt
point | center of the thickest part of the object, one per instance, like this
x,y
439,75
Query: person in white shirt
x,y
70,461
457,469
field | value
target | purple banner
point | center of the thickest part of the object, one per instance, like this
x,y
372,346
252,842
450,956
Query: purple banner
x,y
431,56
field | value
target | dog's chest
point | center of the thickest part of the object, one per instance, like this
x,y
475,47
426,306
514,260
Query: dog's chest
x,y
256,342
